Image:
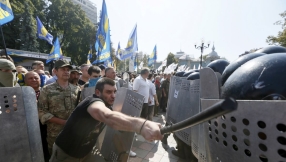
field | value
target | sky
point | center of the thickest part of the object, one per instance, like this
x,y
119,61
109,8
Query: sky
x,y
234,26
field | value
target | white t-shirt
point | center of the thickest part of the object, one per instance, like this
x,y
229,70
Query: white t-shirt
x,y
152,92
142,87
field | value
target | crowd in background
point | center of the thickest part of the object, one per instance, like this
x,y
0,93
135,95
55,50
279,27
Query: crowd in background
x,y
59,93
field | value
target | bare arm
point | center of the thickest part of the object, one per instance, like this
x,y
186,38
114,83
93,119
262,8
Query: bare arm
x,y
119,121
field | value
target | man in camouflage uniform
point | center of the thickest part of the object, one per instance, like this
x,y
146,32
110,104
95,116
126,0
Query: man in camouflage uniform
x,y
57,101
165,92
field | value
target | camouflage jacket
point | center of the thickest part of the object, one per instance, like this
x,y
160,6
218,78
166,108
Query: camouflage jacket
x,y
54,101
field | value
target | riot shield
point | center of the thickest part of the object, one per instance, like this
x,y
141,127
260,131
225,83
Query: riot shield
x,y
255,132
183,109
117,144
209,88
20,138
173,99
87,91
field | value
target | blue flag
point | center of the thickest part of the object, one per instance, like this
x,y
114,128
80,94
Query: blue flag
x,y
153,57
56,52
102,44
42,32
119,52
6,13
132,45
135,62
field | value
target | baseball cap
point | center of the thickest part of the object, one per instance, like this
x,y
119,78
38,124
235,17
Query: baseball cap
x,y
8,65
76,69
62,63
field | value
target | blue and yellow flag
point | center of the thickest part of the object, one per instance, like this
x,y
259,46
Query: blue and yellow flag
x,y
132,45
89,55
6,13
102,44
42,32
118,52
56,52
153,57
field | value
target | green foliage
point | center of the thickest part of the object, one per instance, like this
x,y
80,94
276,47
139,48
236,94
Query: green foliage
x,y
171,59
28,29
280,39
60,17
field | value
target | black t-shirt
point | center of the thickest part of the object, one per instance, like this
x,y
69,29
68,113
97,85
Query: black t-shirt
x,y
81,130
81,82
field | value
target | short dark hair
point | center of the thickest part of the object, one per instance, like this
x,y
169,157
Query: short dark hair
x,y
102,81
144,71
107,69
93,69
83,65
150,76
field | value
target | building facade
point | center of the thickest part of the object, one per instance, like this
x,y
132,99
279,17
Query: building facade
x,y
89,8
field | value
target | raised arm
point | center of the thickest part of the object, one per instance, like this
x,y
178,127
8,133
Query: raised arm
x,y
150,130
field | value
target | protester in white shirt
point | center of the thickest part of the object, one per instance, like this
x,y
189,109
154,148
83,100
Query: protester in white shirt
x,y
152,96
141,86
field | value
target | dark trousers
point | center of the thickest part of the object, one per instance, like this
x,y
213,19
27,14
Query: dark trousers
x,y
144,112
151,112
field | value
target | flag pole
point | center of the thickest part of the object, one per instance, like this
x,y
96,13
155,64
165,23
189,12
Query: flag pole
x,y
4,42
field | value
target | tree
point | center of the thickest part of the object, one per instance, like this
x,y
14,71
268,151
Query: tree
x,y
280,39
171,59
28,30
70,22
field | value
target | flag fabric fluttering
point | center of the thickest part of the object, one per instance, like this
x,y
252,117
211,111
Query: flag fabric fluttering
x,y
102,44
119,52
42,32
135,63
132,45
153,57
56,52
89,55
141,65
131,64
164,63
6,13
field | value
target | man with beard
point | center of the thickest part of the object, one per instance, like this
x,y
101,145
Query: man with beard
x,y
57,101
74,76
76,141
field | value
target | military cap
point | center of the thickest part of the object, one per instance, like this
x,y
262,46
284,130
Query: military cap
x,y
62,63
76,69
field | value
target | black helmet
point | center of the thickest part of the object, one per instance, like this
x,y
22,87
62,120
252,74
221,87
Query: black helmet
x,y
272,49
236,64
194,76
260,78
186,74
218,65
180,74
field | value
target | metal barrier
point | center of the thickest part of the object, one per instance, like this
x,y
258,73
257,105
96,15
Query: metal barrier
x,y
255,132
116,144
20,138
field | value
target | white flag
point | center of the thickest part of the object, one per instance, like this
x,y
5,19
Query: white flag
x,y
164,63
141,65
194,67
